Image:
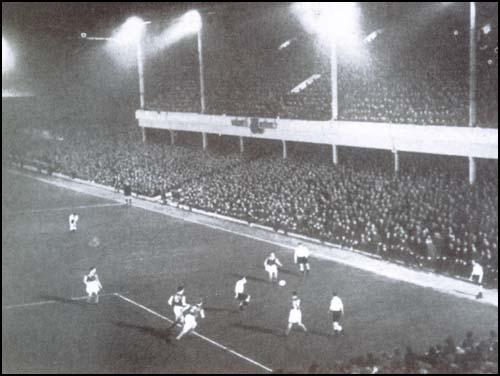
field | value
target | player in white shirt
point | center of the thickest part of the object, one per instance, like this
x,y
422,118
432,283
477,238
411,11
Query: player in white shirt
x,y
239,293
295,316
73,219
337,310
271,264
191,314
178,303
301,256
92,284
477,276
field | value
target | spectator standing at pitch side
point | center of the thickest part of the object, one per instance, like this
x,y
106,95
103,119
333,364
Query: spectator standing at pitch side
x,y
116,183
431,251
127,191
477,277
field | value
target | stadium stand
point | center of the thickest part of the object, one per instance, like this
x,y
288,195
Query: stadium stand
x,y
425,86
473,356
358,204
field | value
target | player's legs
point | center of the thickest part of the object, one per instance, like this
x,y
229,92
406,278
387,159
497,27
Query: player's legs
x,y
308,268
89,292
336,315
270,273
302,326
185,329
289,328
274,274
188,327
337,328
182,333
244,300
179,318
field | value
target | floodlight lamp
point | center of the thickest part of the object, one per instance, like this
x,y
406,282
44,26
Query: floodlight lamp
x,y
192,21
7,56
331,20
131,31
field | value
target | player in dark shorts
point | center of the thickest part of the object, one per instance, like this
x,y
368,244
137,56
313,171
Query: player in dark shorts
x,y
337,310
301,257
239,293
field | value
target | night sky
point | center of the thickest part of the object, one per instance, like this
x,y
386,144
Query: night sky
x,y
52,60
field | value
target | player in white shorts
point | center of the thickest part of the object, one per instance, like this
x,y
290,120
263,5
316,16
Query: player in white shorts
x,y
92,284
73,219
301,256
295,316
178,303
477,277
239,293
337,310
271,264
191,314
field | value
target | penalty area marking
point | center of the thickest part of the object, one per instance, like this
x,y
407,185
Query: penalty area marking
x,y
63,208
225,348
43,302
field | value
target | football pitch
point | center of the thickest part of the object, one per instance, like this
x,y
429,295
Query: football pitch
x,y
142,256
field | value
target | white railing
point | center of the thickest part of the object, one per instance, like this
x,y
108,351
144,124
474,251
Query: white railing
x,y
446,140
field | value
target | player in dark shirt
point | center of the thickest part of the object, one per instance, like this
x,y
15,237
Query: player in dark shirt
x,y
271,264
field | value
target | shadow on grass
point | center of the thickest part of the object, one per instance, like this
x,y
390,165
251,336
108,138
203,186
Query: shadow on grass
x,y
290,272
160,333
321,334
81,302
218,309
250,278
274,332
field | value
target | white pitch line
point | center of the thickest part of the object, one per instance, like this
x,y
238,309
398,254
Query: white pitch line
x,y
225,348
63,208
50,301
138,204
160,211
191,220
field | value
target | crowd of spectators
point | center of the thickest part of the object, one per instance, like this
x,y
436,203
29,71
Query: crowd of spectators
x,y
428,216
427,219
427,85
473,356
96,156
